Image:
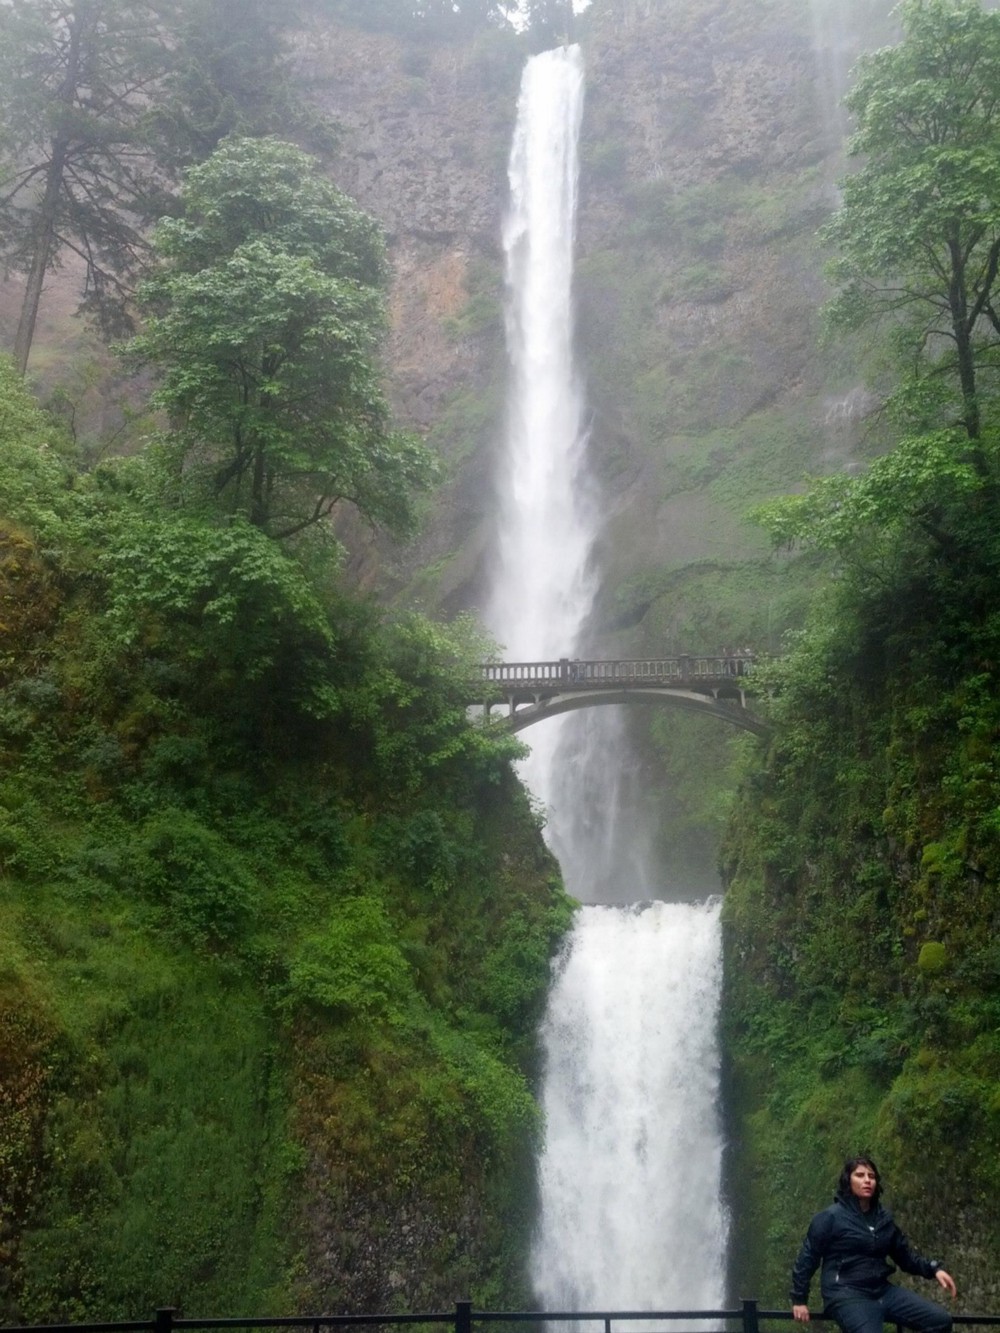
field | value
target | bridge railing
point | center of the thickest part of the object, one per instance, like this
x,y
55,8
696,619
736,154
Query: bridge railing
x,y
649,671
746,1318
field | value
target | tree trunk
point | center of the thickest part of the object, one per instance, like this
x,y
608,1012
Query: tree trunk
x,y
962,330
967,375
45,233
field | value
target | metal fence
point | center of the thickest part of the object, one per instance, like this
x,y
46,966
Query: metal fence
x,y
746,1318
641,671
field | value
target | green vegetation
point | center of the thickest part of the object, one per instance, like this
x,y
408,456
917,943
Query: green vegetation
x,y
482,315
919,231
276,920
863,857
276,917
701,217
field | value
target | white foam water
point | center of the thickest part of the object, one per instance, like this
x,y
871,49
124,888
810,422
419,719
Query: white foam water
x,y
631,1214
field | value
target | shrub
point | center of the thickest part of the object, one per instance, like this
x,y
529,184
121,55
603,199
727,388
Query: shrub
x,y
203,883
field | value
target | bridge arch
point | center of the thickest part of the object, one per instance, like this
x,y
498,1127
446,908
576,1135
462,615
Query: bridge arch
x,y
734,713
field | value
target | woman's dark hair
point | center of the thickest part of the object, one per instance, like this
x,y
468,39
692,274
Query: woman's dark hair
x,y
844,1183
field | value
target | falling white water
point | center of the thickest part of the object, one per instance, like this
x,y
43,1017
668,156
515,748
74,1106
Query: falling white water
x,y
543,586
630,1176
834,41
631,1214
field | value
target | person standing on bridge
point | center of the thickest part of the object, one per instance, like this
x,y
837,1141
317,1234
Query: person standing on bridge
x,y
857,1242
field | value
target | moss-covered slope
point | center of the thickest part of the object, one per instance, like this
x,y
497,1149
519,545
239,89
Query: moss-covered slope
x,y
275,923
863,861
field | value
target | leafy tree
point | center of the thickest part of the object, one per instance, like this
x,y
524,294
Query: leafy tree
x,y
925,491
228,602
76,77
919,236
265,318
919,228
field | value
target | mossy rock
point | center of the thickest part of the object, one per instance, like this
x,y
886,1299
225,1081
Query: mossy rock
x,y
933,958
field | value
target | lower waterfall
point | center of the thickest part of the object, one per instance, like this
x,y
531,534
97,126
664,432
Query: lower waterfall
x,y
631,1210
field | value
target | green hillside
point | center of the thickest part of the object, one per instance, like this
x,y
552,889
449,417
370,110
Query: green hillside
x,y
862,861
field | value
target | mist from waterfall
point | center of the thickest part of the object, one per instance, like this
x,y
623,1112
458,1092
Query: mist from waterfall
x,y
842,30
630,1173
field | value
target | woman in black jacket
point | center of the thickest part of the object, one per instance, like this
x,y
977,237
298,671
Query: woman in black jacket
x,y
857,1243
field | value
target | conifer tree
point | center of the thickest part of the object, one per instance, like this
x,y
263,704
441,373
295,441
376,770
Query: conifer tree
x,y
230,75
76,79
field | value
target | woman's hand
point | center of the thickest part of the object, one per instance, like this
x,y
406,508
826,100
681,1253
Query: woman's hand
x,y
946,1282
800,1313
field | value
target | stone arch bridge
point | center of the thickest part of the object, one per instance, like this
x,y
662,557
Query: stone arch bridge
x,y
716,686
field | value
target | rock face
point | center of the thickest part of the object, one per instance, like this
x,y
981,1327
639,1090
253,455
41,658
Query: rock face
x,y
697,268
424,139
709,156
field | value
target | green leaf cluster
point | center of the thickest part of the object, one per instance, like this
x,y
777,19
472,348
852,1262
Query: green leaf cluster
x,y
918,232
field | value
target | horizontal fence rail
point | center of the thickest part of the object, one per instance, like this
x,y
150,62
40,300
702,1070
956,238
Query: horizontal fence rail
x,y
568,672
747,1318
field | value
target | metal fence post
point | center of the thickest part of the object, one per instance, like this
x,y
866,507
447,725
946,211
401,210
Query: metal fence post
x,y
750,1324
163,1321
463,1317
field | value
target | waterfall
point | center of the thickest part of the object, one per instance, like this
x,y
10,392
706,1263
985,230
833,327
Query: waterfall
x,y
544,587
629,1175
630,1194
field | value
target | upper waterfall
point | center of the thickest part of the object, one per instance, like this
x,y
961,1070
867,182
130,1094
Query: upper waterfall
x,y
543,590
544,586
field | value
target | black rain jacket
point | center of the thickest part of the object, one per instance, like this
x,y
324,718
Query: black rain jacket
x,y
857,1251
